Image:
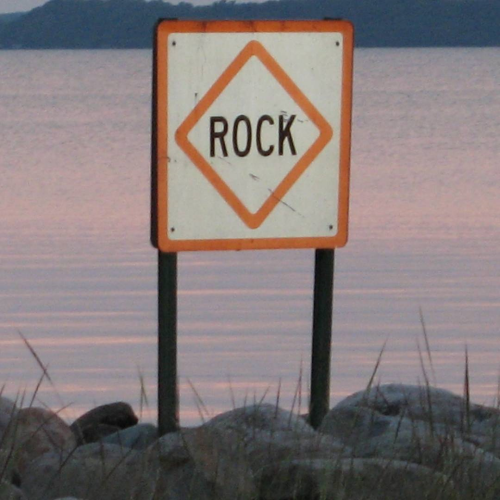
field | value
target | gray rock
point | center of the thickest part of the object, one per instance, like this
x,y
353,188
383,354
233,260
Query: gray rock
x,y
264,429
10,492
220,456
35,431
7,406
95,471
177,476
8,471
353,479
438,446
233,449
269,434
265,417
429,404
138,437
7,410
5,419
354,425
102,421
171,449
99,471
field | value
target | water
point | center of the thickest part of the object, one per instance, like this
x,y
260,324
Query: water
x,y
78,276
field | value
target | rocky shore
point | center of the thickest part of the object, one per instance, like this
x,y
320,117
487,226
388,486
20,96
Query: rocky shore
x,y
390,442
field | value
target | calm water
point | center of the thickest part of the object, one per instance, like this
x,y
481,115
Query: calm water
x,y
78,276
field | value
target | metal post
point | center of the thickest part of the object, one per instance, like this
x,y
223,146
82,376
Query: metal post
x,y
322,336
168,402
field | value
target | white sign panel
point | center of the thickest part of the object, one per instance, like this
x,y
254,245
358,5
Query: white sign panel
x,y
253,134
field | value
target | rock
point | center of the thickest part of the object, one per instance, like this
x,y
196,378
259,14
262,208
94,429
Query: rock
x,y
7,406
264,417
8,471
376,427
354,425
7,410
220,455
193,463
432,405
35,431
95,471
99,471
368,450
484,430
178,477
270,433
103,421
447,414
4,423
10,492
353,479
171,450
138,437
95,433
233,449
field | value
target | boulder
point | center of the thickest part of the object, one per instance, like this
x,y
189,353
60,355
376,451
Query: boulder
x,y
35,431
177,475
138,437
95,471
171,450
8,471
382,425
100,471
5,419
353,479
234,449
268,433
10,492
7,410
432,405
103,421
263,417
484,430
220,456
7,406
441,411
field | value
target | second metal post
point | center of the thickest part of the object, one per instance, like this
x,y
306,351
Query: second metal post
x,y
168,398
322,336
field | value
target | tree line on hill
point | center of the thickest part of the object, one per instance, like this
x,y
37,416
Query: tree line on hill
x,y
92,24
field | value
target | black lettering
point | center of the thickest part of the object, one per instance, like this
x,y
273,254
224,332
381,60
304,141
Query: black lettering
x,y
285,134
246,121
218,134
260,149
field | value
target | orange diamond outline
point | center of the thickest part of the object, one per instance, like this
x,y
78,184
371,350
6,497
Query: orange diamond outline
x,y
253,49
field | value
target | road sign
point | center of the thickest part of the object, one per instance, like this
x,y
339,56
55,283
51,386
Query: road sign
x,y
251,134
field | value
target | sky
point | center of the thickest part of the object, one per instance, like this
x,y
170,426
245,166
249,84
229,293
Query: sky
x,y
7,6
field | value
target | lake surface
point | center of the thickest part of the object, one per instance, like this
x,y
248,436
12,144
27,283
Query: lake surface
x,y
78,275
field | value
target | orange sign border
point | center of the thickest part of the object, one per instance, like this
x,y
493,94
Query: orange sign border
x,y
159,216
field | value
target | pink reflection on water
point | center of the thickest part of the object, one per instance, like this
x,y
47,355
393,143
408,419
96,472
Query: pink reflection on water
x,y
78,277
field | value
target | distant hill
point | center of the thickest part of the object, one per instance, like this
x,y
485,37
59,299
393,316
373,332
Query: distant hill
x,y
7,18
90,24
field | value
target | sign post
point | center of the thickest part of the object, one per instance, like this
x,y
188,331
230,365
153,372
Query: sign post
x,y
168,400
322,336
251,150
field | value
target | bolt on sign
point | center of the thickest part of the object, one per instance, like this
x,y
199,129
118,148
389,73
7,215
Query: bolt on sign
x,y
251,134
